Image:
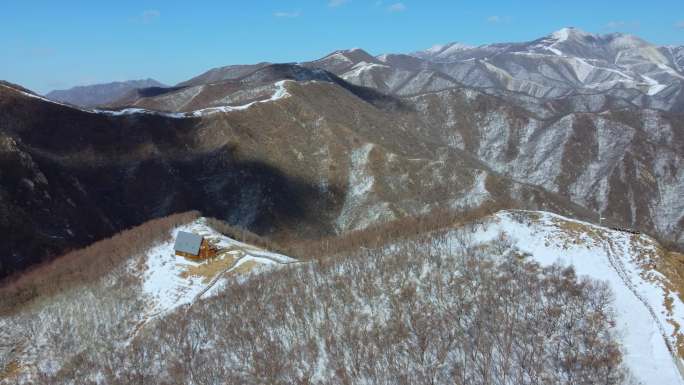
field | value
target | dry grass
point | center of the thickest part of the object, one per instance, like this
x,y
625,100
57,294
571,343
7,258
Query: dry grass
x,y
671,265
210,268
650,257
679,337
654,257
392,231
574,232
10,370
244,268
86,265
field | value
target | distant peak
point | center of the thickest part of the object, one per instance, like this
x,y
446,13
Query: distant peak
x,y
443,51
569,33
354,55
356,52
455,46
436,48
575,35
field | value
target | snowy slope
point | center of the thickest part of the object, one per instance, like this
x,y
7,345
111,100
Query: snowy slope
x,y
114,309
279,92
565,63
170,281
647,328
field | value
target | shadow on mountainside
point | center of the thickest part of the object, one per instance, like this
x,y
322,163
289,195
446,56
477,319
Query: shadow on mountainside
x,y
48,207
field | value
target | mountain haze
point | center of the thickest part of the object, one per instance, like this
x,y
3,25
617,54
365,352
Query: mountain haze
x,y
99,94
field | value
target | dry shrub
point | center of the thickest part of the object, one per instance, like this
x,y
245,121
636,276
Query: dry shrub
x,y
430,309
417,315
243,235
393,231
373,236
88,264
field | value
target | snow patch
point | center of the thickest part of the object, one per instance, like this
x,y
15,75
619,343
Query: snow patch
x,y
164,281
653,86
476,195
360,186
138,111
611,256
279,93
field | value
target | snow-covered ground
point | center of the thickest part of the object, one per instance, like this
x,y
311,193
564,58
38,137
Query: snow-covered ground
x,y
134,111
279,93
170,281
646,326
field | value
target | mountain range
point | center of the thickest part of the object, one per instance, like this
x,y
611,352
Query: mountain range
x,y
580,124
100,94
508,213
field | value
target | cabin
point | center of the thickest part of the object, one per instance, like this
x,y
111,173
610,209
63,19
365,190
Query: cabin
x,y
193,246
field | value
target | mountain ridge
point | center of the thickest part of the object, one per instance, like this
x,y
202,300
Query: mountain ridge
x,y
442,124
100,94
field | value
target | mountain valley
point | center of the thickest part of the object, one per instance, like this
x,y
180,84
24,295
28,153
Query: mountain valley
x,y
371,200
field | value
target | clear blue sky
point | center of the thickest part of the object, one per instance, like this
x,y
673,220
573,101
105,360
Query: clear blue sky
x,y
57,44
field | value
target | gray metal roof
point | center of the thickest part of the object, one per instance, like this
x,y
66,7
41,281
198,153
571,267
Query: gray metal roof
x,y
188,243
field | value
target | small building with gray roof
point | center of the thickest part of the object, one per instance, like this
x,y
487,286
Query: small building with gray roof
x,y
191,245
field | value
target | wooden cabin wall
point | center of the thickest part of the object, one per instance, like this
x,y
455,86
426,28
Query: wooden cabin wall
x,y
205,251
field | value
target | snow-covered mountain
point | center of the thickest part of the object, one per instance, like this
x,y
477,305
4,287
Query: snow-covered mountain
x,y
646,298
232,86
565,63
158,312
383,169
445,52
564,83
677,53
440,145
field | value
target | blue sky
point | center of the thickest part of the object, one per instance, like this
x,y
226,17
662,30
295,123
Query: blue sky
x,y
59,44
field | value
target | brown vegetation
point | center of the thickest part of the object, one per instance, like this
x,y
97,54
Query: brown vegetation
x,y
370,237
412,316
242,235
86,265
426,309
10,370
209,268
393,231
